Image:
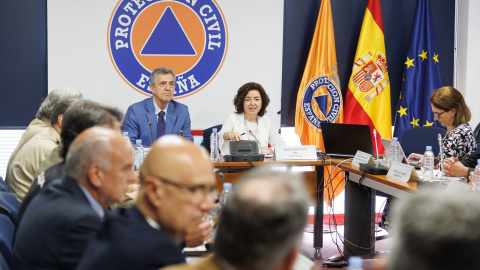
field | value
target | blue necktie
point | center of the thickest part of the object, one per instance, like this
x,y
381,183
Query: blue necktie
x,y
160,124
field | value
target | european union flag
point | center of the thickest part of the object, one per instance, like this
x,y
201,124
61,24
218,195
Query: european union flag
x,y
421,74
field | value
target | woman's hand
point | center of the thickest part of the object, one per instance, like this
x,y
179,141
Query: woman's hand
x,y
230,136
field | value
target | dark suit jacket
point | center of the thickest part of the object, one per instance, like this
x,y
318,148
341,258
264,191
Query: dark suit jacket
x,y
127,241
471,161
55,228
141,113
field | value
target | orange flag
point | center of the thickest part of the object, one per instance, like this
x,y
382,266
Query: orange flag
x,y
367,99
319,97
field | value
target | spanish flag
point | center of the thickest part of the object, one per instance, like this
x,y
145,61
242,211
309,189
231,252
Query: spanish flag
x,y
319,97
367,99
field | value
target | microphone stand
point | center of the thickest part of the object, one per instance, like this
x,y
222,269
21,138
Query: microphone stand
x,y
151,134
441,156
260,145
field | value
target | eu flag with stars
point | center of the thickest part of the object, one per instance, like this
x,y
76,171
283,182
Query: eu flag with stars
x,y
421,74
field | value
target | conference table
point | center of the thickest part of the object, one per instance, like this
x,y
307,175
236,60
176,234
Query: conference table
x,y
233,171
360,191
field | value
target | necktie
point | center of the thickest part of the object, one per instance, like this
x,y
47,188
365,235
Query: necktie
x,y
160,124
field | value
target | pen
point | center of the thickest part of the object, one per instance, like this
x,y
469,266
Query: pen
x,y
240,135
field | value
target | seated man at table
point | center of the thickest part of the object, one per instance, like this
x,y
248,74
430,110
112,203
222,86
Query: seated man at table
x,y
177,188
65,215
262,224
435,230
154,117
463,168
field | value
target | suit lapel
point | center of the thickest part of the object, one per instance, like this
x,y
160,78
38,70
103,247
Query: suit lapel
x,y
171,117
151,117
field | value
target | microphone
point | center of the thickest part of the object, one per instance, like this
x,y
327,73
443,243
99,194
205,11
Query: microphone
x,y
376,145
251,133
151,134
440,153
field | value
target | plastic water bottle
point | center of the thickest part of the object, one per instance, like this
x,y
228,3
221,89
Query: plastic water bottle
x,y
125,135
476,178
227,189
428,164
214,147
355,263
394,151
138,155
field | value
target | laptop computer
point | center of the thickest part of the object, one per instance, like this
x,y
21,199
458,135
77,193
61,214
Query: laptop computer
x,y
343,140
386,144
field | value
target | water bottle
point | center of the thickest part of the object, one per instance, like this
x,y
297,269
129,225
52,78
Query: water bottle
x,y
394,151
138,155
476,178
428,164
214,147
125,135
355,263
227,189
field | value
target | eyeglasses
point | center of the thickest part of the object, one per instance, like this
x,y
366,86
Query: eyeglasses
x,y
198,192
438,114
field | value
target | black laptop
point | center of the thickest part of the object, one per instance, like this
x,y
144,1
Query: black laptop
x,y
343,140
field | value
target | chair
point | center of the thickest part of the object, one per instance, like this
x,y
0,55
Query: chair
x,y
7,229
476,134
9,205
414,140
206,136
3,185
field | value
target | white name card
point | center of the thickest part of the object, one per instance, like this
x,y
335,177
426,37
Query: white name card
x,y
362,157
402,172
304,152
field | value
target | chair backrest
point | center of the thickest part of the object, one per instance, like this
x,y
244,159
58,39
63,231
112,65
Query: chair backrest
x,y
9,205
414,140
7,229
3,185
206,136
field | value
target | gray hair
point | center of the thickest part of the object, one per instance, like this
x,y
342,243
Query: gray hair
x,y
60,108
162,70
257,233
434,229
53,98
95,149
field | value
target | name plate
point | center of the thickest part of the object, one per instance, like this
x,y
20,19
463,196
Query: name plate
x,y
402,172
304,152
362,157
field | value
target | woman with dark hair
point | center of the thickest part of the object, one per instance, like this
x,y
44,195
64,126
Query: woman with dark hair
x,y
249,121
449,108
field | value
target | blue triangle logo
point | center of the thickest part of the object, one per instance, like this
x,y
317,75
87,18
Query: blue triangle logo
x,y
322,102
168,38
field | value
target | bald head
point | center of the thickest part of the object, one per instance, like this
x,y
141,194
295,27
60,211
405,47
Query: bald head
x,y
176,158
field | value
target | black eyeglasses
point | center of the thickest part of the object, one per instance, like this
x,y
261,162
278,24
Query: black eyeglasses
x,y
199,192
438,114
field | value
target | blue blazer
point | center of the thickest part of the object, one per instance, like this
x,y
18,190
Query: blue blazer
x,y
141,113
127,241
56,228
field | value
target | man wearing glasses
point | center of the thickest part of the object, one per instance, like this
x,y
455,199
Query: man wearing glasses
x,y
177,188
154,117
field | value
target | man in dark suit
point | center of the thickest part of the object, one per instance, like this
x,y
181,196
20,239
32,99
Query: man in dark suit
x,y
65,215
463,168
154,117
177,187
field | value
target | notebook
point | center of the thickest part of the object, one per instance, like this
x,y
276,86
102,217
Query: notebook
x,y
386,144
343,140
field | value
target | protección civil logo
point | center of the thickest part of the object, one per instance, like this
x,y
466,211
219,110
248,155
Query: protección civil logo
x,y
188,36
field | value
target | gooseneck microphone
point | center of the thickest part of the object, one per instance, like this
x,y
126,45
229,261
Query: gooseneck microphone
x,y
259,144
376,145
151,134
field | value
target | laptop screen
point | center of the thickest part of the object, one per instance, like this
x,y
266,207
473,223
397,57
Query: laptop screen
x,y
345,139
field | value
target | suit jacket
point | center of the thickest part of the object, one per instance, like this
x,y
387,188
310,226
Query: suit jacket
x,y
127,241
471,161
55,228
141,113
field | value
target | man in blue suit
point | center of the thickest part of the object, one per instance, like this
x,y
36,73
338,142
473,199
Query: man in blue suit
x,y
66,214
154,117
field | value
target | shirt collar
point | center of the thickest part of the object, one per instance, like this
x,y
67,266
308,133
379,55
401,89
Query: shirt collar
x,y
152,223
157,109
93,202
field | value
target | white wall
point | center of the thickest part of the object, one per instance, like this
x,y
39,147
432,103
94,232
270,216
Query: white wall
x,y
468,59
78,56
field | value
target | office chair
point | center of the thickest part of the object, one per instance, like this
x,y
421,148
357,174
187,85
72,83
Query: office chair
x,y
7,229
414,140
206,136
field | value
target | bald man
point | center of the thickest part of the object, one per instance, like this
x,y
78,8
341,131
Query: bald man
x,y
177,187
65,215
